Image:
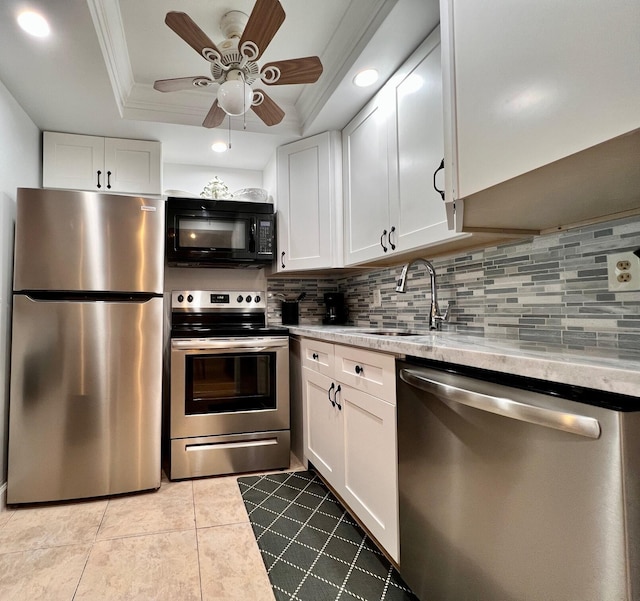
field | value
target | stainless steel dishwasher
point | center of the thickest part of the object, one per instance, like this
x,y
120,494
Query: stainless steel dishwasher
x,y
514,489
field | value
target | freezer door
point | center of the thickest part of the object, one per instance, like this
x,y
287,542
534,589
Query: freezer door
x,y
85,241
85,399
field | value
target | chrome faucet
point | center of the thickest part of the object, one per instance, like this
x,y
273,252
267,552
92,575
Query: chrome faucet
x,y
435,317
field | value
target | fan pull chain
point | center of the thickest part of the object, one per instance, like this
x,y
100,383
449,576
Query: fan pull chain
x,y
244,106
229,144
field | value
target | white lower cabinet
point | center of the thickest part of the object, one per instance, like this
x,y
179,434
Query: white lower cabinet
x,y
324,425
350,431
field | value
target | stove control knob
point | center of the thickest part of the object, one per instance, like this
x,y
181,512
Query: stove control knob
x,y
257,299
240,298
248,299
180,298
190,298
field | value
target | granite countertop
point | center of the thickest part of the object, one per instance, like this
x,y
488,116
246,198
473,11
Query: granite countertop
x,y
612,370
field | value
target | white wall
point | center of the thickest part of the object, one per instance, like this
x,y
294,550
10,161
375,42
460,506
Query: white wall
x,y
19,167
270,179
193,178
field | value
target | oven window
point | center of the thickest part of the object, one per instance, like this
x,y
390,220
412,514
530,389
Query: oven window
x,y
230,383
212,233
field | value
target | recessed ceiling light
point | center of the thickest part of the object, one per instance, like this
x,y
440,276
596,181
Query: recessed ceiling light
x,y
365,78
219,147
34,24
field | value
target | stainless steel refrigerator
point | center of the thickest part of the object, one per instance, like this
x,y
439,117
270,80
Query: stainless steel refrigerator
x,y
86,355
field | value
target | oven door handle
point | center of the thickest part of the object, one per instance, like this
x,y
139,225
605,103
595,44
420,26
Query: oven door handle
x,y
226,344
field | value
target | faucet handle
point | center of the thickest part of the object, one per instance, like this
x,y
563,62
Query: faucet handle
x,y
443,317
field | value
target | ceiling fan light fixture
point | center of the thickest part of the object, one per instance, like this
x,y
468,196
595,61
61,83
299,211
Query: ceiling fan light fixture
x,y
234,97
219,147
34,24
366,77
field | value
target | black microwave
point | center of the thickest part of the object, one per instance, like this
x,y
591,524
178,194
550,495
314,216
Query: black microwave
x,y
219,233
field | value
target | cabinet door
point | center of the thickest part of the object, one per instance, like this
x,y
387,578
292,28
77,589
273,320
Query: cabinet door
x,y
324,427
73,162
367,180
308,234
133,166
533,82
371,464
419,148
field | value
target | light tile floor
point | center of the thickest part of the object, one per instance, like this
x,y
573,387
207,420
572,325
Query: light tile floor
x,y
189,541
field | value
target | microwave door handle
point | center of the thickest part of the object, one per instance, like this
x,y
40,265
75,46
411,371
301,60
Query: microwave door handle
x,y
252,235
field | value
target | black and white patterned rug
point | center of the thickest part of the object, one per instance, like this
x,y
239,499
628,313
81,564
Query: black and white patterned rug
x,y
313,550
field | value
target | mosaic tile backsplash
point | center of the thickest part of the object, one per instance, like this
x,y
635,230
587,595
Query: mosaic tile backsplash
x,y
550,289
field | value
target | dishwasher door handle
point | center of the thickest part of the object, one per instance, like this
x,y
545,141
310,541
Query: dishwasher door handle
x,y
549,418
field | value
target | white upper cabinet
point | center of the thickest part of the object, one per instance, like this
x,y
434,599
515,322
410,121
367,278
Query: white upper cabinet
x,y
79,162
368,181
540,95
391,150
310,203
418,149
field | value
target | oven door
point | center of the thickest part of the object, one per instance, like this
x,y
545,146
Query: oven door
x,y
229,385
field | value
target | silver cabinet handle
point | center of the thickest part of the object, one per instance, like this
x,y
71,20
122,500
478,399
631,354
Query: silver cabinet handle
x,y
541,416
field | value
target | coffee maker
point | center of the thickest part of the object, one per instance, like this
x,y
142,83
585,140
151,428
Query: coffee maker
x,y
336,312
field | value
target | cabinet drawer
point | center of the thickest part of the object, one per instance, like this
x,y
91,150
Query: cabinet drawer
x,y
367,371
318,356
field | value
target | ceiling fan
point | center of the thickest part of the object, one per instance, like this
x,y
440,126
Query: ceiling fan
x,y
233,63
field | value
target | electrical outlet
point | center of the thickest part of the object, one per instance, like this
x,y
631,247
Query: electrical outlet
x,y
623,272
377,298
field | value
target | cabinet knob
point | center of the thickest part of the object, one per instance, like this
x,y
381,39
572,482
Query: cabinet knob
x,y
314,356
384,235
435,186
359,369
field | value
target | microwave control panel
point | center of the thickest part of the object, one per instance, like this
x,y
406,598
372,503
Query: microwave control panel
x,y
265,236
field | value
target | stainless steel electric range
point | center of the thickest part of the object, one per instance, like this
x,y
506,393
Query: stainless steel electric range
x,y
229,400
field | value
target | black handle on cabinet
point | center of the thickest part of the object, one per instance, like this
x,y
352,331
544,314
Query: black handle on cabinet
x,y
99,174
384,233
315,356
359,369
441,192
391,231
109,180
282,259
335,396
333,403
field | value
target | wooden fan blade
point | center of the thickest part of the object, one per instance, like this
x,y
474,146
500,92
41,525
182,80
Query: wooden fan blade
x,y
187,29
268,110
297,70
264,21
179,83
214,117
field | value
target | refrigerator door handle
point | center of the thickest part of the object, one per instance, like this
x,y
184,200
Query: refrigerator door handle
x,y
541,416
112,297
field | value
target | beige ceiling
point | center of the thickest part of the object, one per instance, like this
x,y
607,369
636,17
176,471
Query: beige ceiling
x,y
95,74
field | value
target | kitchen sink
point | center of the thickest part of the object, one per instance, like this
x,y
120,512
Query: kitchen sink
x,y
389,332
